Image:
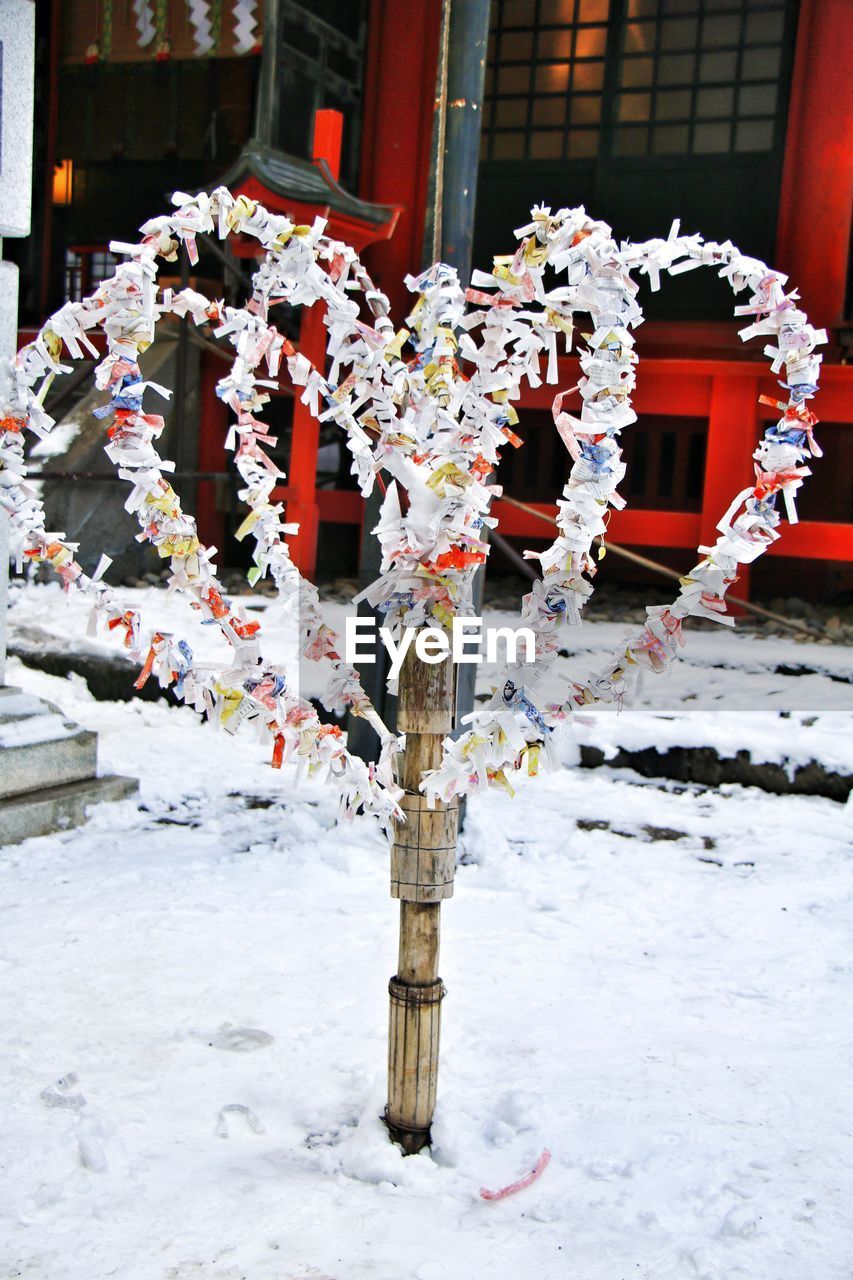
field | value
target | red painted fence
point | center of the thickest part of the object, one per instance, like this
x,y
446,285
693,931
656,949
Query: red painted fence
x,y
723,392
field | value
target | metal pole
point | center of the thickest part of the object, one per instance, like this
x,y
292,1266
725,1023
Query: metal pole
x,y
466,74
456,188
267,105
454,182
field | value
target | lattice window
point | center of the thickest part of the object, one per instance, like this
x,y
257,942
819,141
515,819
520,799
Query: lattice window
x,y
699,76
85,267
579,78
545,78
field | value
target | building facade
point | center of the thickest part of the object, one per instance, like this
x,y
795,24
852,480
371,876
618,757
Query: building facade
x,y
732,115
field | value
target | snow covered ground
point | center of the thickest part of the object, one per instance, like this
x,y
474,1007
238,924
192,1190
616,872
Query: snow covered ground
x,y
648,979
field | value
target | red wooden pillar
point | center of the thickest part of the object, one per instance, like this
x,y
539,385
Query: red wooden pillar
x,y
327,138
213,428
302,473
732,437
813,236
399,106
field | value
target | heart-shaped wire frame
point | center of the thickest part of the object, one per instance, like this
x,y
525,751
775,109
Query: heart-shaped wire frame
x,y
435,429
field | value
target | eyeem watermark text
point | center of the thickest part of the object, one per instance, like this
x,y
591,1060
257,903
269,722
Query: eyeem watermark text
x,y
433,644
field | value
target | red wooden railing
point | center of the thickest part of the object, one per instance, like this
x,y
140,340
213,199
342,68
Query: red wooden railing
x,y
724,392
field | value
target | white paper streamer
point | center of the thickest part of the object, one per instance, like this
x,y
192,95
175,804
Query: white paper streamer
x,y
198,12
145,26
245,23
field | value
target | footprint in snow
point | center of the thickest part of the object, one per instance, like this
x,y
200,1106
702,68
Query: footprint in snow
x,y
235,1039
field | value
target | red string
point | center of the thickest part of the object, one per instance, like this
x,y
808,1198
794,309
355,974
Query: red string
x,y
541,1164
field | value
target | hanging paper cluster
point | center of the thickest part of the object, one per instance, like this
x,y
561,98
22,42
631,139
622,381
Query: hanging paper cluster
x,y
200,16
514,728
245,25
146,29
151,18
430,405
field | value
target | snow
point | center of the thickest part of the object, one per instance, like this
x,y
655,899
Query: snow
x,y
61,437
36,728
648,979
25,720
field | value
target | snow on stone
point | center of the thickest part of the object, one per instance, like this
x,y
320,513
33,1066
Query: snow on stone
x,y
46,727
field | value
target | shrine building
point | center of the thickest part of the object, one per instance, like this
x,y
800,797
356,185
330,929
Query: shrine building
x,y
732,115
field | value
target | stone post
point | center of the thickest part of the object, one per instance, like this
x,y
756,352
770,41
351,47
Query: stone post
x,y
48,767
17,42
4,591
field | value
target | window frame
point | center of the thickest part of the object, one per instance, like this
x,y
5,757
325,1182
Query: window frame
x,y
611,90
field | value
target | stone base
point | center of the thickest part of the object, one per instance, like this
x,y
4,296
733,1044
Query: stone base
x,y
38,813
48,769
39,746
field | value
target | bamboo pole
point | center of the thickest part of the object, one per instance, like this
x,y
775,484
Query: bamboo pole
x,y
423,863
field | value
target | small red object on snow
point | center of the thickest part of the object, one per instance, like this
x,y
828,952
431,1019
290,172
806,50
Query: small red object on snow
x,y
541,1164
